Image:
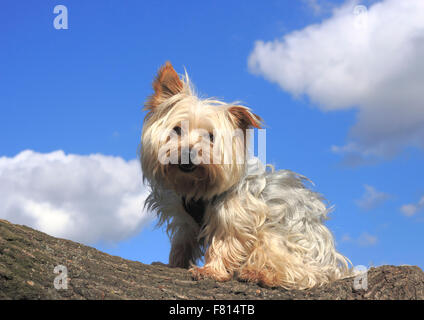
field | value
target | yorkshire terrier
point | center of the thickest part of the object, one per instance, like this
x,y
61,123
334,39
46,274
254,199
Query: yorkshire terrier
x,y
247,220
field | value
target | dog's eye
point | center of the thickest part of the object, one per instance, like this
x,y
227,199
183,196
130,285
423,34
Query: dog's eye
x,y
211,137
177,130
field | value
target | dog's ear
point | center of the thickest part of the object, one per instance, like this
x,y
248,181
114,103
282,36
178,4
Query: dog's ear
x,y
245,118
166,84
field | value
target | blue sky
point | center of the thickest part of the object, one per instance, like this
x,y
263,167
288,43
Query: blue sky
x,y
81,90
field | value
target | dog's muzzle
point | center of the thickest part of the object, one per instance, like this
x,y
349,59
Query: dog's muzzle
x,y
189,167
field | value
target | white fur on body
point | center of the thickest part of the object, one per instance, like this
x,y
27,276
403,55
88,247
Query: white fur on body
x,y
258,225
268,228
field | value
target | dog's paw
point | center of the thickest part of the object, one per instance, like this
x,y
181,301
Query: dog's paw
x,y
199,273
261,277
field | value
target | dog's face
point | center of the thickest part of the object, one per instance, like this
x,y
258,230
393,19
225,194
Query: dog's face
x,y
196,147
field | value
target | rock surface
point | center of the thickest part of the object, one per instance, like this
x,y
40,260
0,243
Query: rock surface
x,y
28,258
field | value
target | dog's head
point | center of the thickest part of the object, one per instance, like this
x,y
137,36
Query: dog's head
x,y
198,147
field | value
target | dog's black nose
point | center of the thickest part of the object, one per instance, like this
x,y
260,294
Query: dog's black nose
x,y
189,167
186,155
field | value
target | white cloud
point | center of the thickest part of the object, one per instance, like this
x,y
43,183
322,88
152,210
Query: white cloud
x,y
371,198
320,7
82,198
367,240
372,61
410,210
346,238
364,240
314,5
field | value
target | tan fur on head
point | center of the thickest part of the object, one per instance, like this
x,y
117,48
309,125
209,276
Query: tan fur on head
x,y
245,118
166,84
260,226
172,103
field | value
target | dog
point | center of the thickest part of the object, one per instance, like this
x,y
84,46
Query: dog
x,y
246,219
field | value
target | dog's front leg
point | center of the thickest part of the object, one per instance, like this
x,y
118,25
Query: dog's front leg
x,y
218,264
230,235
185,249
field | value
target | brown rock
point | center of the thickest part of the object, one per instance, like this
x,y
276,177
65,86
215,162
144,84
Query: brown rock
x,y
29,254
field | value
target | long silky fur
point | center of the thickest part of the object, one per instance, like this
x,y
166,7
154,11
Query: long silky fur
x,y
263,225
